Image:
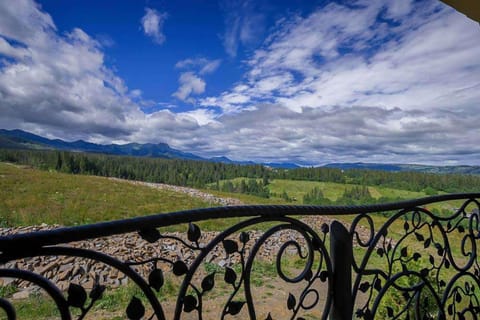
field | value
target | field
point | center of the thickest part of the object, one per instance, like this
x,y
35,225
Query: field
x,y
333,191
32,197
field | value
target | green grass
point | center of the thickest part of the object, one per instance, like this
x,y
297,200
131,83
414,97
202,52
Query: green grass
x,y
296,189
32,197
333,191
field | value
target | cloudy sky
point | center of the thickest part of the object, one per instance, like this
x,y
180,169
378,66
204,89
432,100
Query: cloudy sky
x,y
308,81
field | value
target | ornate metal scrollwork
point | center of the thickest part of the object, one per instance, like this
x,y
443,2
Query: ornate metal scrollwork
x,y
420,262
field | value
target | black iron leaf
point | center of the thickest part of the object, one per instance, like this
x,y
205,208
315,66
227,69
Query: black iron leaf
x,y
404,252
416,256
135,309
389,247
431,259
442,283
364,286
323,276
378,284
461,229
447,264
450,309
230,246
269,317
150,234
155,279
325,228
76,295
189,303
234,307
419,236
316,244
179,268
193,232
208,282
291,301
440,251
427,243
406,226
97,292
244,237
458,297
460,316
390,312
424,272
230,276
380,252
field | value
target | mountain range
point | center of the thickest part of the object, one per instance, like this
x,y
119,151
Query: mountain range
x,y
19,139
461,169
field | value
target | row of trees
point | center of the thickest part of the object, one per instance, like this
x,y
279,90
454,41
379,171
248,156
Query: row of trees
x,y
351,196
203,173
250,186
171,171
405,180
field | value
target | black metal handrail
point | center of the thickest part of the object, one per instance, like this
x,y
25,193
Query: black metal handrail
x,y
410,258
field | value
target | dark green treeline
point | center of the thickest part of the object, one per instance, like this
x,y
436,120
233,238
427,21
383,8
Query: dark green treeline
x,y
201,173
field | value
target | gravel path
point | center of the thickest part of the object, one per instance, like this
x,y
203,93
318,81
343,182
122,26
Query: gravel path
x,y
208,197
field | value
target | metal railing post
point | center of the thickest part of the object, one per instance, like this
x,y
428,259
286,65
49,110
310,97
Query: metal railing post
x,y
341,253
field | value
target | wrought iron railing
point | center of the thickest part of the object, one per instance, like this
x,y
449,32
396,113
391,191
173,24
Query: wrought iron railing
x,y
411,259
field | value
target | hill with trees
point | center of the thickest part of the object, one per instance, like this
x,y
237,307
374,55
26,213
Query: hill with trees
x,y
202,173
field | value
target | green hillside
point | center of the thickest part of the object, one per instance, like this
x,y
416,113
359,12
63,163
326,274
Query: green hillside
x,y
31,196
297,189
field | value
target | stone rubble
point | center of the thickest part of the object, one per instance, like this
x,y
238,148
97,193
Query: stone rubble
x,y
63,270
207,197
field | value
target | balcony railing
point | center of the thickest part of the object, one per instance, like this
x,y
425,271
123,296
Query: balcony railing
x,y
407,260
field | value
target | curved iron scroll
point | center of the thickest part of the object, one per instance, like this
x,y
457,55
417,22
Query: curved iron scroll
x,y
419,263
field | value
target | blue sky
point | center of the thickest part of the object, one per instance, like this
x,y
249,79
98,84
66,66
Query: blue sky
x,y
309,82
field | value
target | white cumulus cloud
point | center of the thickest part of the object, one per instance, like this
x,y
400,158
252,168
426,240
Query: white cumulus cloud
x,y
202,65
371,82
152,24
190,84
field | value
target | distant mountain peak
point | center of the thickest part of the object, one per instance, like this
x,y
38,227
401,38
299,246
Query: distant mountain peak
x,y
18,138
25,140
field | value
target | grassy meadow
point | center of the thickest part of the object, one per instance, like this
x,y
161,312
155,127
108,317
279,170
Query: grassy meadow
x,y
333,191
30,197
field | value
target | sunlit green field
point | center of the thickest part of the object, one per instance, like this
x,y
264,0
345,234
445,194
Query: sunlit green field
x,y
29,196
333,191
32,197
